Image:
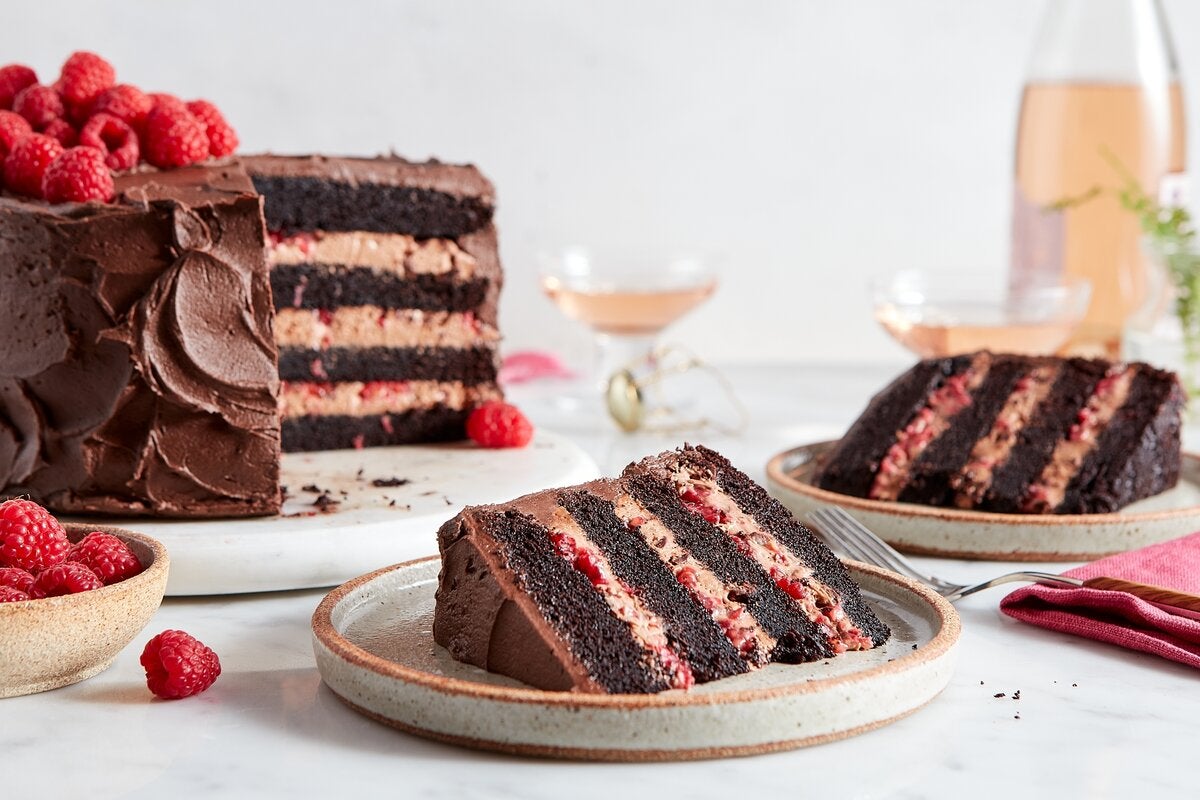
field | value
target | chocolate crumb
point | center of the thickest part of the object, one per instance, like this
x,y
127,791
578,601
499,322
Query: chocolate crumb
x,y
430,492
358,475
391,503
914,647
1074,684
999,694
447,499
389,482
1016,716
312,488
981,683
326,504
1017,694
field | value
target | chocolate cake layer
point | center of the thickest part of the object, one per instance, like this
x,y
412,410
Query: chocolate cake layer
x,y
387,195
137,370
798,639
690,629
341,432
850,466
567,600
324,286
773,517
1147,427
471,366
931,476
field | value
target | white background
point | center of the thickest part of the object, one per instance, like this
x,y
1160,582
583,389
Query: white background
x,y
812,143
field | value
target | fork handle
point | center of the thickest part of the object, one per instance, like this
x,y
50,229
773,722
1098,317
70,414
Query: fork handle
x,y
1158,595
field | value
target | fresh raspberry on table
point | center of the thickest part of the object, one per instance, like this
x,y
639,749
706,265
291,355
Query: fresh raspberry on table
x,y
222,139
497,424
77,176
10,595
125,102
114,137
179,665
30,538
25,165
14,78
16,578
13,128
106,555
61,130
38,104
69,577
174,138
84,76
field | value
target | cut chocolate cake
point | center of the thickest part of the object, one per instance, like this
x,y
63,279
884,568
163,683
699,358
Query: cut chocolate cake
x,y
681,571
137,370
1014,434
386,276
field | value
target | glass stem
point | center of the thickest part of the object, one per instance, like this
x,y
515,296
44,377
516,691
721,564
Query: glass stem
x,y
615,352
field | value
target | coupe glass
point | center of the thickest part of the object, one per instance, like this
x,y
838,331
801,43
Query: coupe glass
x,y
937,314
627,300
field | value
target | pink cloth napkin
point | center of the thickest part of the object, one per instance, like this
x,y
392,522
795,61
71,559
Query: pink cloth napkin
x,y
1117,617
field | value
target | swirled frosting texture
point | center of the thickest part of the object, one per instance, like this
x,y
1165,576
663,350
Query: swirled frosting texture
x,y
138,372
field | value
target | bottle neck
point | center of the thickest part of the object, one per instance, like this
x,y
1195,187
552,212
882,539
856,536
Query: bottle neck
x,y
1104,41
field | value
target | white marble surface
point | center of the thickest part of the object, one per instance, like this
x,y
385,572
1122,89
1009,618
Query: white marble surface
x,y
1094,721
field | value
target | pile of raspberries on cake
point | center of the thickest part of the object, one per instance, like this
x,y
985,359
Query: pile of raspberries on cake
x,y
62,142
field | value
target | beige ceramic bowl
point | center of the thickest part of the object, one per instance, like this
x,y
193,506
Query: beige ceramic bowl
x,y
56,641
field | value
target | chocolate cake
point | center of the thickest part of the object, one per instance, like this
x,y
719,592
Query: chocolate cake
x,y
137,370
1014,434
680,571
386,276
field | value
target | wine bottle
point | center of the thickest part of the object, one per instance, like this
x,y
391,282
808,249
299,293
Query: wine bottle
x,y
1101,106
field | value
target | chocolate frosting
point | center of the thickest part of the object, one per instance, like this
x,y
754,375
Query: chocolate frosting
x,y
456,180
138,373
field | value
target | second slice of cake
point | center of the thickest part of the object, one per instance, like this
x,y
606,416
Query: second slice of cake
x,y
681,571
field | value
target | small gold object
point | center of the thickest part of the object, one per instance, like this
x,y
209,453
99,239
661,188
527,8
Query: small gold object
x,y
637,401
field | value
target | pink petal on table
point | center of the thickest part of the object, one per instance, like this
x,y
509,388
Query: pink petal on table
x,y
531,365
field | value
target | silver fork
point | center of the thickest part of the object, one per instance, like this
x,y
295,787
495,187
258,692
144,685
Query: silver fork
x,y
844,533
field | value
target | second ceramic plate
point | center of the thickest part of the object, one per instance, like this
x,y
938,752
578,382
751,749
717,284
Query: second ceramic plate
x,y
926,530
374,648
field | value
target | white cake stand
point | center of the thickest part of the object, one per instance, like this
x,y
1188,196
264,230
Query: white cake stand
x,y
369,525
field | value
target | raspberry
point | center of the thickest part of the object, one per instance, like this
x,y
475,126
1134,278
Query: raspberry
x,y
497,424
61,130
66,578
13,128
14,78
25,165
10,595
85,75
114,137
38,104
29,537
222,139
77,176
124,102
174,138
179,665
15,578
106,555
163,100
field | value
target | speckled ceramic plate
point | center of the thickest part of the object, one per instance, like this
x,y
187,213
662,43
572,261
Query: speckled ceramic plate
x,y
374,648
926,530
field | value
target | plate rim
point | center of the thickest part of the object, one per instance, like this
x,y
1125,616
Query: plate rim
x,y
777,473
947,635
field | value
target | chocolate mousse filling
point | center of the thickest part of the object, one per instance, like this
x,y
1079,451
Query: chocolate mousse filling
x,y
1045,494
375,326
972,483
931,421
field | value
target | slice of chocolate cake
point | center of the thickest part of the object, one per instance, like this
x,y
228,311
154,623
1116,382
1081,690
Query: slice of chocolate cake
x,y
386,276
681,571
1014,434
137,369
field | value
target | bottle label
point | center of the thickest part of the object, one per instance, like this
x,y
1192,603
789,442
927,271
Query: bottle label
x,y
1038,241
1173,189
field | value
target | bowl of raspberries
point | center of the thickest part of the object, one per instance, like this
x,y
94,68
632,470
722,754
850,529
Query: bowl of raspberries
x,y
71,596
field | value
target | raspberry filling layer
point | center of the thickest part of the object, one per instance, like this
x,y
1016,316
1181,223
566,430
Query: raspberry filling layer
x,y
361,399
1047,492
737,623
384,252
995,447
373,326
648,629
930,422
820,603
